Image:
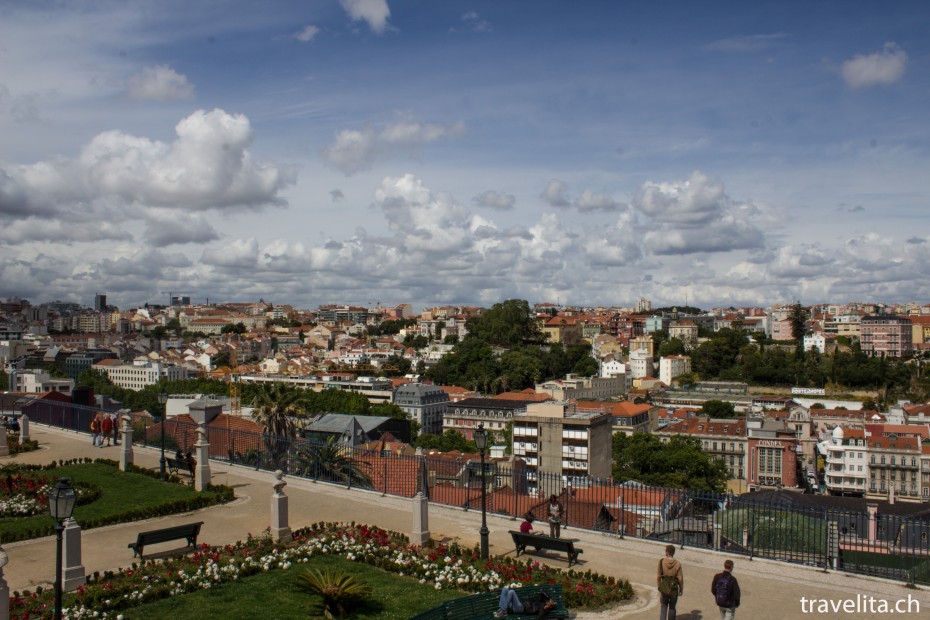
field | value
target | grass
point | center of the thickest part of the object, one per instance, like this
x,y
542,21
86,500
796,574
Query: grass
x,y
274,595
125,496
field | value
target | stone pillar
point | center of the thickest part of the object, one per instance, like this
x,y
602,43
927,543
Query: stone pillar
x,y
4,588
4,449
126,454
420,533
873,521
280,531
72,573
716,530
833,544
202,471
23,429
745,537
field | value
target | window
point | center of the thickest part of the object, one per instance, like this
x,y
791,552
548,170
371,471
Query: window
x,y
883,460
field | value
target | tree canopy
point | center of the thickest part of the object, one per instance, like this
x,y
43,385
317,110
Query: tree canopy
x,y
718,409
679,463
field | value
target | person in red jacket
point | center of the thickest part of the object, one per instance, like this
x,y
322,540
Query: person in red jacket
x,y
106,427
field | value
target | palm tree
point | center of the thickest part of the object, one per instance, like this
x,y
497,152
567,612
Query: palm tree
x,y
332,461
275,407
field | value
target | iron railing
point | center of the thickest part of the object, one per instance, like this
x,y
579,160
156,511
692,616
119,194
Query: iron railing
x,y
753,524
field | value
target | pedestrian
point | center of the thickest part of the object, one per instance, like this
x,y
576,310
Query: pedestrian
x,y
106,429
555,512
725,589
510,603
116,429
671,582
95,430
527,526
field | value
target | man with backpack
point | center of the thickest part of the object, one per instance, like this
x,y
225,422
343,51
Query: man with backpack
x,y
726,591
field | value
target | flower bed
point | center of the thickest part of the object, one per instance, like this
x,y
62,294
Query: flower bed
x,y
24,492
106,596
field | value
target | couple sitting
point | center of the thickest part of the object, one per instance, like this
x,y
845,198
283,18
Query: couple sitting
x,y
511,603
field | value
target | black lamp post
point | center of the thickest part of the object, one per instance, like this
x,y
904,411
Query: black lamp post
x,y
162,399
61,500
481,440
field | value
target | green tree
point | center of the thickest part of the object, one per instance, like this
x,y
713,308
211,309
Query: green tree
x,y
332,461
672,346
678,463
275,406
237,328
718,409
447,442
587,366
506,324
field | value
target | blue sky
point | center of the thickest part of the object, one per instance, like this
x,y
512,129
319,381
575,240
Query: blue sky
x,y
465,152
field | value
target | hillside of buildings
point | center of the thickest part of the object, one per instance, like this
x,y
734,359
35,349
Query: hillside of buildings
x,y
760,392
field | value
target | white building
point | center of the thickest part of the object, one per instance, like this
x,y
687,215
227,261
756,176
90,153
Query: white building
x,y
673,366
817,340
617,368
38,381
641,364
423,403
847,467
141,373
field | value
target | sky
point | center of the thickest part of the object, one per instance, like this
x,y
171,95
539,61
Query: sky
x,y
465,152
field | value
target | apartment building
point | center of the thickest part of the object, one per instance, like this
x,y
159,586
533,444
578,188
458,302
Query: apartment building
x,y
423,403
686,331
890,336
494,414
555,438
584,388
894,467
846,467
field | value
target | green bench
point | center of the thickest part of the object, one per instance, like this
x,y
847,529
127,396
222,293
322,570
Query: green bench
x,y
540,542
187,532
482,606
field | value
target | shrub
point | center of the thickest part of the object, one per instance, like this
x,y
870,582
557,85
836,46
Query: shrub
x,y
338,589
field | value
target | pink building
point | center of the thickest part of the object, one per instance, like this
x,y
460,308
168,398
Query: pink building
x,y
886,335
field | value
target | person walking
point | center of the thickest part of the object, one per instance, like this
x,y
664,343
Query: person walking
x,y
671,581
106,427
725,589
95,430
555,512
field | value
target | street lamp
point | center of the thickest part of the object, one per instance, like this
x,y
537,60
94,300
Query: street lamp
x,y
61,500
481,440
162,399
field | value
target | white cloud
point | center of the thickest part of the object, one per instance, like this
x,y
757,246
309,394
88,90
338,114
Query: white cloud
x,y
474,22
883,67
208,166
596,201
495,200
159,83
696,215
307,33
554,194
374,12
353,151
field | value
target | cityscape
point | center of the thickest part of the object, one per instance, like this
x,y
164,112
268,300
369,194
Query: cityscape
x,y
496,301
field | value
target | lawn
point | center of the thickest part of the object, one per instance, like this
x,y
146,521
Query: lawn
x,y
273,595
124,496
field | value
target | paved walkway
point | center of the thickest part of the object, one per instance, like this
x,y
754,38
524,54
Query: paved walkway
x,y
771,590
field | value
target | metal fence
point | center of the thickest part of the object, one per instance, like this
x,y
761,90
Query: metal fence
x,y
783,526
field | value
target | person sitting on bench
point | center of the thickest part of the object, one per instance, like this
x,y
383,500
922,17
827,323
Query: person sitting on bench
x,y
510,602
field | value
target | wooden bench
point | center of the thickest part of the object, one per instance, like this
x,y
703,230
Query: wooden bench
x,y
540,542
177,532
177,466
482,606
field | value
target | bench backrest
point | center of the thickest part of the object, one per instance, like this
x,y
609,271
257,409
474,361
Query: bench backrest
x,y
169,533
556,544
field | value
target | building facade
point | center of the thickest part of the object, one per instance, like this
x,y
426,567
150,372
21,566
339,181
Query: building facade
x,y
424,404
890,336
